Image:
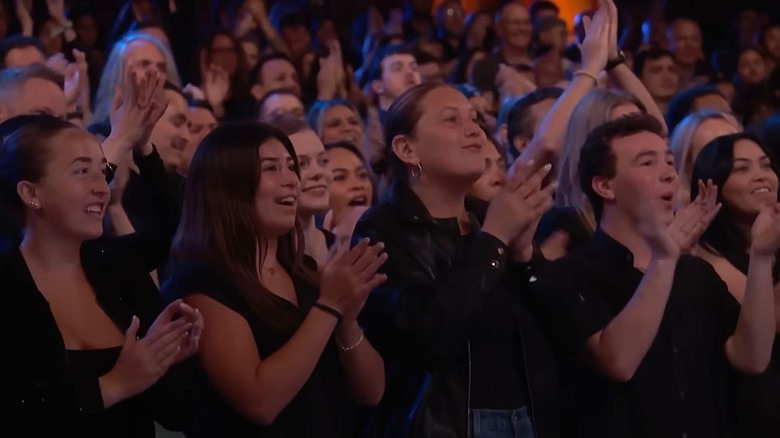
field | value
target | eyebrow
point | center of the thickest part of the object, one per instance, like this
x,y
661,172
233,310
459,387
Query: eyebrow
x,y
650,154
86,160
747,160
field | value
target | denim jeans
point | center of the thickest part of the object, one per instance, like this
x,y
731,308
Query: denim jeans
x,y
490,423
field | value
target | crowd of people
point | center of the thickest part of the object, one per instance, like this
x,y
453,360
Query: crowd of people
x,y
466,225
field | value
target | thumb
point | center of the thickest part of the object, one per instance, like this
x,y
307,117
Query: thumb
x,y
132,331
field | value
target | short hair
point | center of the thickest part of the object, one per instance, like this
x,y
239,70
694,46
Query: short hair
x,y
540,5
375,71
318,109
649,54
13,78
518,121
19,42
289,125
256,74
170,86
198,103
424,57
682,103
270,94
597,157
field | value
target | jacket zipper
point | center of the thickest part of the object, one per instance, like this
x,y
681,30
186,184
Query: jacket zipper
x,y
468,397
531,409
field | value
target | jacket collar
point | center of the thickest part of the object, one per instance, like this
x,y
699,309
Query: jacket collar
x,y
412,209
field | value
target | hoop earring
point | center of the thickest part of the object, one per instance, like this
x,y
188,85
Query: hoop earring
x,y
416,171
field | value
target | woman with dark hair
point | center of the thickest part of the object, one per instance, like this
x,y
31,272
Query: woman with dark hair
x,y
465,354
351,192
747,175
99,354
283,353
224,77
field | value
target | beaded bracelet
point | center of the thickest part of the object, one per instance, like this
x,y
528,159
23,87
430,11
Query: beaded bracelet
x,y
353,346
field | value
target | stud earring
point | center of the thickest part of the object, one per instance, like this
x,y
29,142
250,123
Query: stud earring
x,y
34,204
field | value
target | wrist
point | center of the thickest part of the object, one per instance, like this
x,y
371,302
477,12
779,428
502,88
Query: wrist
x,y
523,255
145,150
348,333
112,389
758,253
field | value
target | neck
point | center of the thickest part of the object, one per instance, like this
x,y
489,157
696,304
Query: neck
x,y
50,251
515,55
385,102
685,72
441,201
625,232
269,260
662,103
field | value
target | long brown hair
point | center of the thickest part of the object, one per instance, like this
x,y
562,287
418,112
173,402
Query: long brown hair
x,y
218,223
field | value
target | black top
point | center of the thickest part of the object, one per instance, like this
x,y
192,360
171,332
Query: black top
x,y
451,323
563,219
43,394
679,389
322,408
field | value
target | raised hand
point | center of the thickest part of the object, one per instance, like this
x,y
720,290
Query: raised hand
x,y
595,46
614,23
137,106
216,85
23,15
193,92
72,84
693,220
765,233
520,203
349,276
56,9
657,231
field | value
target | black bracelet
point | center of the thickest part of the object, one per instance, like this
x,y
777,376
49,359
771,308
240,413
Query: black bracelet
x,y
328,309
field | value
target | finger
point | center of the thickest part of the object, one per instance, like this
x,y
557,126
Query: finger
x,y
352,256
169,312
131,333
368,257
586,23
376,281
168,357
373,268
173,337
534,183
337,253
518,173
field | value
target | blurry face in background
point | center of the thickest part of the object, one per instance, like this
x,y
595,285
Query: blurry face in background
x,y
251,52
772,41
399,73
144,56
316,176
479,29
340,123
728,90
751,68
660,78
548,70
326,32
685,42
514,28
494,178
557,37
86,30
452,18
297,38
430,72
200,121
282,103
224,54
278,74
171,134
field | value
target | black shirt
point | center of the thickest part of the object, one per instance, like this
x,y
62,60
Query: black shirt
x,y
679,389
320,409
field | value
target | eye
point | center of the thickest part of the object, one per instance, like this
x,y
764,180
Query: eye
x,y
739,169
269,168
340,176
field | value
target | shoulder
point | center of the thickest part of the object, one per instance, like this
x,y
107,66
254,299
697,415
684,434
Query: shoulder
x,y
193,277
377,219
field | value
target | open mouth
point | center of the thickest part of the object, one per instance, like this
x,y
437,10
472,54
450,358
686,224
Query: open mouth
x,y
95,209
360,201
761,191
318,188
287,201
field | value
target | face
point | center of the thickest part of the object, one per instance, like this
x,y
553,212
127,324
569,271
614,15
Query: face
x,y
750,67
494,177
171,134
399,73
36,96
276,198
86,30
251,52
515,26
772,41
296,37
430,72
660,78
448,143
73,192
713,101
340,123
279,74
622,110
707,131
200,122
644,171
548,71
351,186
316,176
224,54
24,56
282,103
145,57
752,183
555,37
685,42
327,31
452,18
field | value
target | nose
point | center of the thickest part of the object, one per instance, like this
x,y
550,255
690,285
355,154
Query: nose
x,y
100,185
290,179
473,129
669,175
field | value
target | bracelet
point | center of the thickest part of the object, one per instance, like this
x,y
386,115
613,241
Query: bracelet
x,y
353,346
328,309
587,74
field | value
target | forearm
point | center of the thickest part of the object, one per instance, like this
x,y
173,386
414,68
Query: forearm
x,y
120,223
364,367
750,348
629,82
620,348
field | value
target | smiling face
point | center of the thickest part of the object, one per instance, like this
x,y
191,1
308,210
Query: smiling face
x,y
340,123
276,197
316,176
171,134
73,191
752,182
351,185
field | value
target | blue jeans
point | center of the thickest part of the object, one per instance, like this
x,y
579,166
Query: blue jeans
x,y
490,423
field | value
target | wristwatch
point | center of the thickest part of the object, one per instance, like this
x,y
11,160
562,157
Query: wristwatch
x,y
616,61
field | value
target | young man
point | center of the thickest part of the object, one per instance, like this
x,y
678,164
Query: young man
x,y
656,68
651,334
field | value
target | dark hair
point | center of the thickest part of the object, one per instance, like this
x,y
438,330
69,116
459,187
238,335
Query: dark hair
x,y
682,103
348,146
270,94
752,101
597,158
423,57
519,121
715,162
198,103
23,157
288,124
218,223
170,86
468,90
256,76
19,42
460,72
375,71
649,54
768,132
149,23
401,119
540,5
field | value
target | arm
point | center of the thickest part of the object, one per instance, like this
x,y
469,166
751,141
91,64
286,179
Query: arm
x,y
364,368
630,83
258,389
620,347
750,348
117,217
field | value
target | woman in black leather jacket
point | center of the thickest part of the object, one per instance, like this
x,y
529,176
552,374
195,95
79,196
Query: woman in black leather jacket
x,y
464,353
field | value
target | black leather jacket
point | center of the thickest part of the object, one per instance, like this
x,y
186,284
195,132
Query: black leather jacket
x,y
419,320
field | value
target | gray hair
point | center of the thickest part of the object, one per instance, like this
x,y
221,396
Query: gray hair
x,y
114,70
